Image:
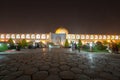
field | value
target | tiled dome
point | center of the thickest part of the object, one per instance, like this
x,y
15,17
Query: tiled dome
x,y
61,30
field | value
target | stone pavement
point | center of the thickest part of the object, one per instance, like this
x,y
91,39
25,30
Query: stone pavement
x,y
59,64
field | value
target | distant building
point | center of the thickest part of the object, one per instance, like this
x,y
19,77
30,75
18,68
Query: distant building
x,y
59,37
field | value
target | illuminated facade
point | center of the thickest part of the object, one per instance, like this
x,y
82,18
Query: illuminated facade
x,y
86,38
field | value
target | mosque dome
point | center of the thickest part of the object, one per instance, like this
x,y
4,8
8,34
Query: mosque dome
x,y
61,30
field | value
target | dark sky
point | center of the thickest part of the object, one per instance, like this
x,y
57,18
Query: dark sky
x,y
45,16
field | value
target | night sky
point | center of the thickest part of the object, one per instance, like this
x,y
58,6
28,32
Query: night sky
x,y
87,17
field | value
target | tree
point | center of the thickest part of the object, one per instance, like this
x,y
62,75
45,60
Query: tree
x,y
3,47
105,42
99,46
79,43
11,43
24,43
66,43
118,44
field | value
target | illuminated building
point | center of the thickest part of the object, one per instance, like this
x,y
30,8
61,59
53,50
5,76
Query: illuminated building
x,y
59,37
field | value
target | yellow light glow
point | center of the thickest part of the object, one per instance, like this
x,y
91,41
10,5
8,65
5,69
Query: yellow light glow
x,y
61,30
2,40
83,42
91,37
95,41
108,41
43,42
69,41
14,41
27,40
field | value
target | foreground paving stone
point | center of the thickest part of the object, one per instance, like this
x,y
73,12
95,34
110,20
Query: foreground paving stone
x,y
24,78
54,71
76,70
67,75
8,78
54,65
1,77
116,73
108,76
4,72
13,75
30,71
91,73
41,75
17,73
44,68
59,64
13,69
97,79
53,77
62,63
82,66
81,77
27,69
64,67
72,64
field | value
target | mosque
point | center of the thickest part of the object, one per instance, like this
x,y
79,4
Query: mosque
x,y
59,37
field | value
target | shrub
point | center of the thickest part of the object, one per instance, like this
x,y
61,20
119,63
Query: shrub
x,y
66,43
99,47
118,44
79,43
24,43
3,47
85,47
11,44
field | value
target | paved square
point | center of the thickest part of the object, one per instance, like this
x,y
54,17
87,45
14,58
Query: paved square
x,y
58,64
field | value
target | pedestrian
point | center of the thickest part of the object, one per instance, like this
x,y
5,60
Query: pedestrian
x,y
73,46
78,47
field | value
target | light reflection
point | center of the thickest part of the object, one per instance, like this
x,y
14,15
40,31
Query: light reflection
x,y
90,57
44,49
